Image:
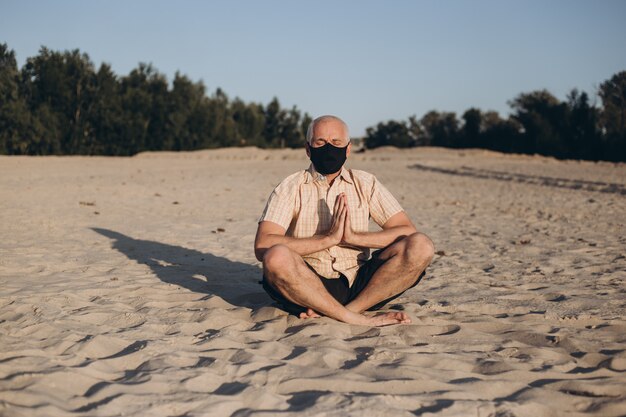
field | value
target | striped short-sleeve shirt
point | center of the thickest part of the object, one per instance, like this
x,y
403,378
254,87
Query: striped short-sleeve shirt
x,y
303,205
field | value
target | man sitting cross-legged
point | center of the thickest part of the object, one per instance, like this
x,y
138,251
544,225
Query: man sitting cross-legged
x,y
314,242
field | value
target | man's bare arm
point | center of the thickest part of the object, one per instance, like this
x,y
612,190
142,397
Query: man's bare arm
x,y
399,225
269,234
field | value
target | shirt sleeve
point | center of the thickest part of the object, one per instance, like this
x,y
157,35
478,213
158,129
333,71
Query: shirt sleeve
x,y
280,206
382,204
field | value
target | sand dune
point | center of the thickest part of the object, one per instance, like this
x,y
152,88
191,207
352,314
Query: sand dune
x,y
128,286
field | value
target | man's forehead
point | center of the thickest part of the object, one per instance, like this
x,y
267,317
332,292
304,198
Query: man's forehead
x,y
324,126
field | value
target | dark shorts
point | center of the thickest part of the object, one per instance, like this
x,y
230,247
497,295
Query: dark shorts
x,y
339,288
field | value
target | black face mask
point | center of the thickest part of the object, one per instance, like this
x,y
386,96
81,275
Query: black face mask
x,y
328,159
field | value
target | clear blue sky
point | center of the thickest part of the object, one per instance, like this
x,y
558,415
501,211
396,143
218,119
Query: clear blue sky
x,y
365,61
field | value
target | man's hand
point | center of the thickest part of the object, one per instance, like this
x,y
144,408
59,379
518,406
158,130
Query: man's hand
x,y
349,237
336,231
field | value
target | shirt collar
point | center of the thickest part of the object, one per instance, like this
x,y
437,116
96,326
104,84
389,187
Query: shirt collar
x,y
316,176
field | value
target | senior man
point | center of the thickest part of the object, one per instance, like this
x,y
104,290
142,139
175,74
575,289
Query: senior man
x,y
314,242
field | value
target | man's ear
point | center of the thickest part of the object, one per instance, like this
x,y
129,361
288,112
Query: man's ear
x,y
349,149
308,150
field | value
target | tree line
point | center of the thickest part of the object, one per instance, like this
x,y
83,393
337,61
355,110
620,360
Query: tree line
x,y
539,124
59,103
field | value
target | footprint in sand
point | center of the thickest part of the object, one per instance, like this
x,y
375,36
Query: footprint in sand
x,y
554,297
107,347
420,331
489,367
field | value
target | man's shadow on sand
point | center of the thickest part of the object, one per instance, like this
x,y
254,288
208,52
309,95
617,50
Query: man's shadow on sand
x,y
234,282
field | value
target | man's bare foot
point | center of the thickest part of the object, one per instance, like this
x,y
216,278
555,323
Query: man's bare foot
x,y
377,320
386,319
309,314
380,319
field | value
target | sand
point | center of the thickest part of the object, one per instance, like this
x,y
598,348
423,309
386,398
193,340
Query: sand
x,y
128,286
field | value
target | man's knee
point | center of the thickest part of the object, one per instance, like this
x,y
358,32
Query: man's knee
x,y
276,259
419,249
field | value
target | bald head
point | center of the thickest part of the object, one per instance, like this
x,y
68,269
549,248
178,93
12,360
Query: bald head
x,y
327,119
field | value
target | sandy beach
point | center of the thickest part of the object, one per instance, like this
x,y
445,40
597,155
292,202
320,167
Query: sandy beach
x,y
128,286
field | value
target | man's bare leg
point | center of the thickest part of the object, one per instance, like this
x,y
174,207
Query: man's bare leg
x,y
287,273
405,261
